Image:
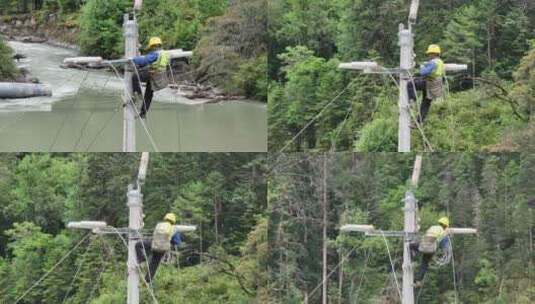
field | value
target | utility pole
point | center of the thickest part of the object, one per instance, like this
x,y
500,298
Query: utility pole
x,y
409,233
404,131
135,225
406,44
130,50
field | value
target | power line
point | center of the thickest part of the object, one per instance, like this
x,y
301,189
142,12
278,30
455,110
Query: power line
x,y
76,272
88,119
392,265
68,114
52,269
315,117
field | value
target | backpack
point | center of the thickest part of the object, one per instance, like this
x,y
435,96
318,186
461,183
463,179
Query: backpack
x,y
428,245
161,237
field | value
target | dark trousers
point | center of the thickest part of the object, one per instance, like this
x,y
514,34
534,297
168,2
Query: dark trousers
x,y
144,76
424,265
155,258
420,85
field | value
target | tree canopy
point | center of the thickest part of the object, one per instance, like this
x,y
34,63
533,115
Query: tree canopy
x,y
307,40
223,194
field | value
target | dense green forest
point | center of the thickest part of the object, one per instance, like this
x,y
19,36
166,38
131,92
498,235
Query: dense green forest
x,y
228,37
490,107
494,193
223,194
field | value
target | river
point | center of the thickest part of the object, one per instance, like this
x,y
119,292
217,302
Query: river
x,y
85,114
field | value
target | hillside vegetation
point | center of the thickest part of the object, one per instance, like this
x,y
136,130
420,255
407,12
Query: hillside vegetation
x,y
222,262
228,37
493,193
490,107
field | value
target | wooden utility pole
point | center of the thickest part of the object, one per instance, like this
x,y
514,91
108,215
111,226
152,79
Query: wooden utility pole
x,y
409,233
406,44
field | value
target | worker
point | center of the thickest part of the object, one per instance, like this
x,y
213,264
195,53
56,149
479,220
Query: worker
x,y
429,82
164,236
435,237
152,69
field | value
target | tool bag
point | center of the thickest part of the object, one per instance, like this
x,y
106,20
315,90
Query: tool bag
x,y
161,237
434,88
428,245
159,80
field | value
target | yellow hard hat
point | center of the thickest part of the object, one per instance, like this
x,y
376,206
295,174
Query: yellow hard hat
x,y
433,49
444,221
154,41
170,217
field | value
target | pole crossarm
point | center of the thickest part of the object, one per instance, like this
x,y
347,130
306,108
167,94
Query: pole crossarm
x,y
389,233
97,60
99,227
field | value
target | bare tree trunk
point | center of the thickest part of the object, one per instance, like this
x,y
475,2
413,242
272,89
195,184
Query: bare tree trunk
x,y
340,278
216,219
324,205
473,67
200,243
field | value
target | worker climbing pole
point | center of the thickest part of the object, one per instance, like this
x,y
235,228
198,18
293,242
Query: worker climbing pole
x,y
412,243
406,81
430,83
155,75
139,249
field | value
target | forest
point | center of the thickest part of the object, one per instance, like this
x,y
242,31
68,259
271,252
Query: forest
x,y
314,106
228,37
223,194
494,193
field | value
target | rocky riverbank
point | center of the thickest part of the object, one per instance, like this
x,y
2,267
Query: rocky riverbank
x,y
26,28
49,30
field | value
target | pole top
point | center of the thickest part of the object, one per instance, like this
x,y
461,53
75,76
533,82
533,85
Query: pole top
x,y
138,4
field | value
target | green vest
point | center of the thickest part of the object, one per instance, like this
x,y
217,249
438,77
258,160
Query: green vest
x,y
162,62
438,73
161,237
436,232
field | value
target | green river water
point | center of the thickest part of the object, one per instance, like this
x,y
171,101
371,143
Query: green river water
x,y
91,120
